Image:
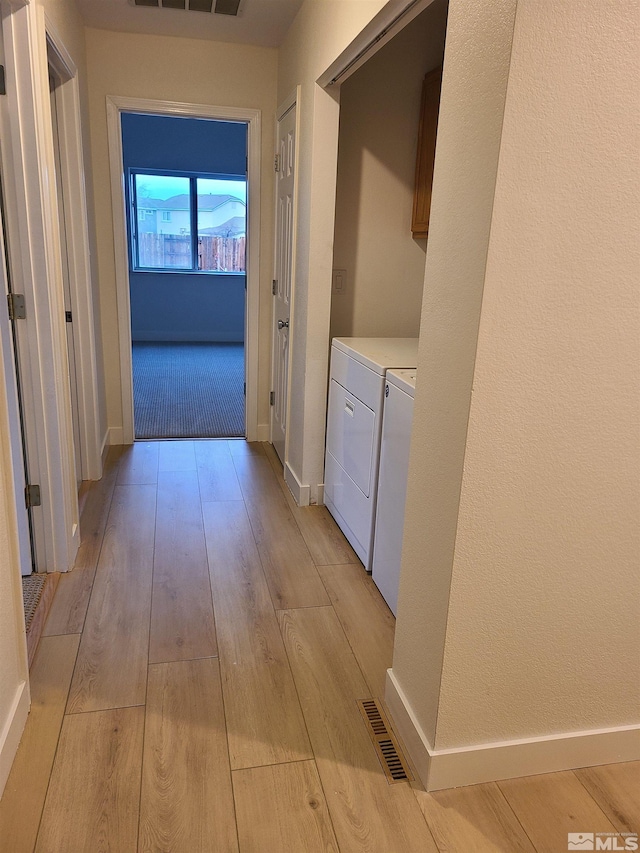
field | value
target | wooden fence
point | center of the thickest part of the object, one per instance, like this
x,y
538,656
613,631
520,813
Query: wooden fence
x,y
173,251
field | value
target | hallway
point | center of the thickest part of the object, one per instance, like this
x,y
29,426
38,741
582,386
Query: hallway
x,y
196,686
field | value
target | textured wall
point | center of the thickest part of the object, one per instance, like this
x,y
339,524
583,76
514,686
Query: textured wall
x,y
542,632
178,307
476,67
519,587
184,145
374,197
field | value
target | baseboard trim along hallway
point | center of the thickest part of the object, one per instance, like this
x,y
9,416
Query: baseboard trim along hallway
x,y
491,762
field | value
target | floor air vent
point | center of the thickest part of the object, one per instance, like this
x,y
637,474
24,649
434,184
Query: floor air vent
x,y
386,746
32,588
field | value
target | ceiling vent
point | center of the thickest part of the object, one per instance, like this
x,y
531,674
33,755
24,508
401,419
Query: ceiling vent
x,y
221,7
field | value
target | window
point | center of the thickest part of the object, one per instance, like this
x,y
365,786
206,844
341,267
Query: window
x,y
188,222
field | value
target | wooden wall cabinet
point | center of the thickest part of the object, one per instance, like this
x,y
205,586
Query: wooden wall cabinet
x,y
426,152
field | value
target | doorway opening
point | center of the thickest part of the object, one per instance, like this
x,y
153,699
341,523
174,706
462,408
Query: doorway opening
x,y
186,204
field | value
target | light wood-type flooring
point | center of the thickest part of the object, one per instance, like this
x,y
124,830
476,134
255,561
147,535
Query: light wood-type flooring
x,y
195,688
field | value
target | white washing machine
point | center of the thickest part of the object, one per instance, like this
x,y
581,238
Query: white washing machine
x,y
354,424
392,482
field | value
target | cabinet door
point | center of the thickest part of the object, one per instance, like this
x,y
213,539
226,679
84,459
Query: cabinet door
x,y
426,152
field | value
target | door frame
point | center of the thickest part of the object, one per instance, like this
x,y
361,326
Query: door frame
x,y
115,107
33,242
76,221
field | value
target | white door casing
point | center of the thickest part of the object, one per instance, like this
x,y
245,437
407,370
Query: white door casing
x,y
8,374
63,205
286,156
115,107
75,224
34,258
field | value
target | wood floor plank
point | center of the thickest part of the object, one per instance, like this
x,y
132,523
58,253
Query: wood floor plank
x,y
187,800
112,661
368,814
323,537
216,472
282,808
242,447
177,456
139,464
182,625
615,788
264,719
71,600
365,618
24,795
291,574
551,805
476,819
92,802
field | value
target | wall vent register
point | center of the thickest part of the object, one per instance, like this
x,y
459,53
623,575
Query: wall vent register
x,y
221,7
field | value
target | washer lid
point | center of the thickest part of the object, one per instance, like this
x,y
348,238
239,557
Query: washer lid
x,y
378,354
405,380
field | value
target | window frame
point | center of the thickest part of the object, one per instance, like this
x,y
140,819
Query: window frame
x,y
133,220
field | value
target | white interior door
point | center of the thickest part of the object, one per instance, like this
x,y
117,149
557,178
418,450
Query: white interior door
x,y
285,176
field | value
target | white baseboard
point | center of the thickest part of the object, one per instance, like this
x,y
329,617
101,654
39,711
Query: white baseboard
x,y
300,493
104,449
116,436
489,762
12,731
263,432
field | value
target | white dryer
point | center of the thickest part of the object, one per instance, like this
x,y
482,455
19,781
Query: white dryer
x,y
392,482
354,423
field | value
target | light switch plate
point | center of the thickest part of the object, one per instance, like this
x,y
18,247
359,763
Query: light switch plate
x,y
339,282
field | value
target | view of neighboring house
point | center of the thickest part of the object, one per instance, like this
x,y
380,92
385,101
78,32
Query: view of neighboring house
x,y
218,215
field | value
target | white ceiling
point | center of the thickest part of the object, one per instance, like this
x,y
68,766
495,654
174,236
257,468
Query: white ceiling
x,y
261,22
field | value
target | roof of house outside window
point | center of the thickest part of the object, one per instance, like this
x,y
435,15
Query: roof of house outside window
x,y
181,202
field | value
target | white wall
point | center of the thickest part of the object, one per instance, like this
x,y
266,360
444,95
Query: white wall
x,y
317,37
518,600
379,117
184,71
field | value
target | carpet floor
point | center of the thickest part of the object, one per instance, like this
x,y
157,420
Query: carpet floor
x,y
188,390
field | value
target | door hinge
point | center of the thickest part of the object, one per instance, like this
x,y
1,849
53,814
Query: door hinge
x,y
244,389
272,398
276,163
274,286
32,496
68,317
3,83
17,306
